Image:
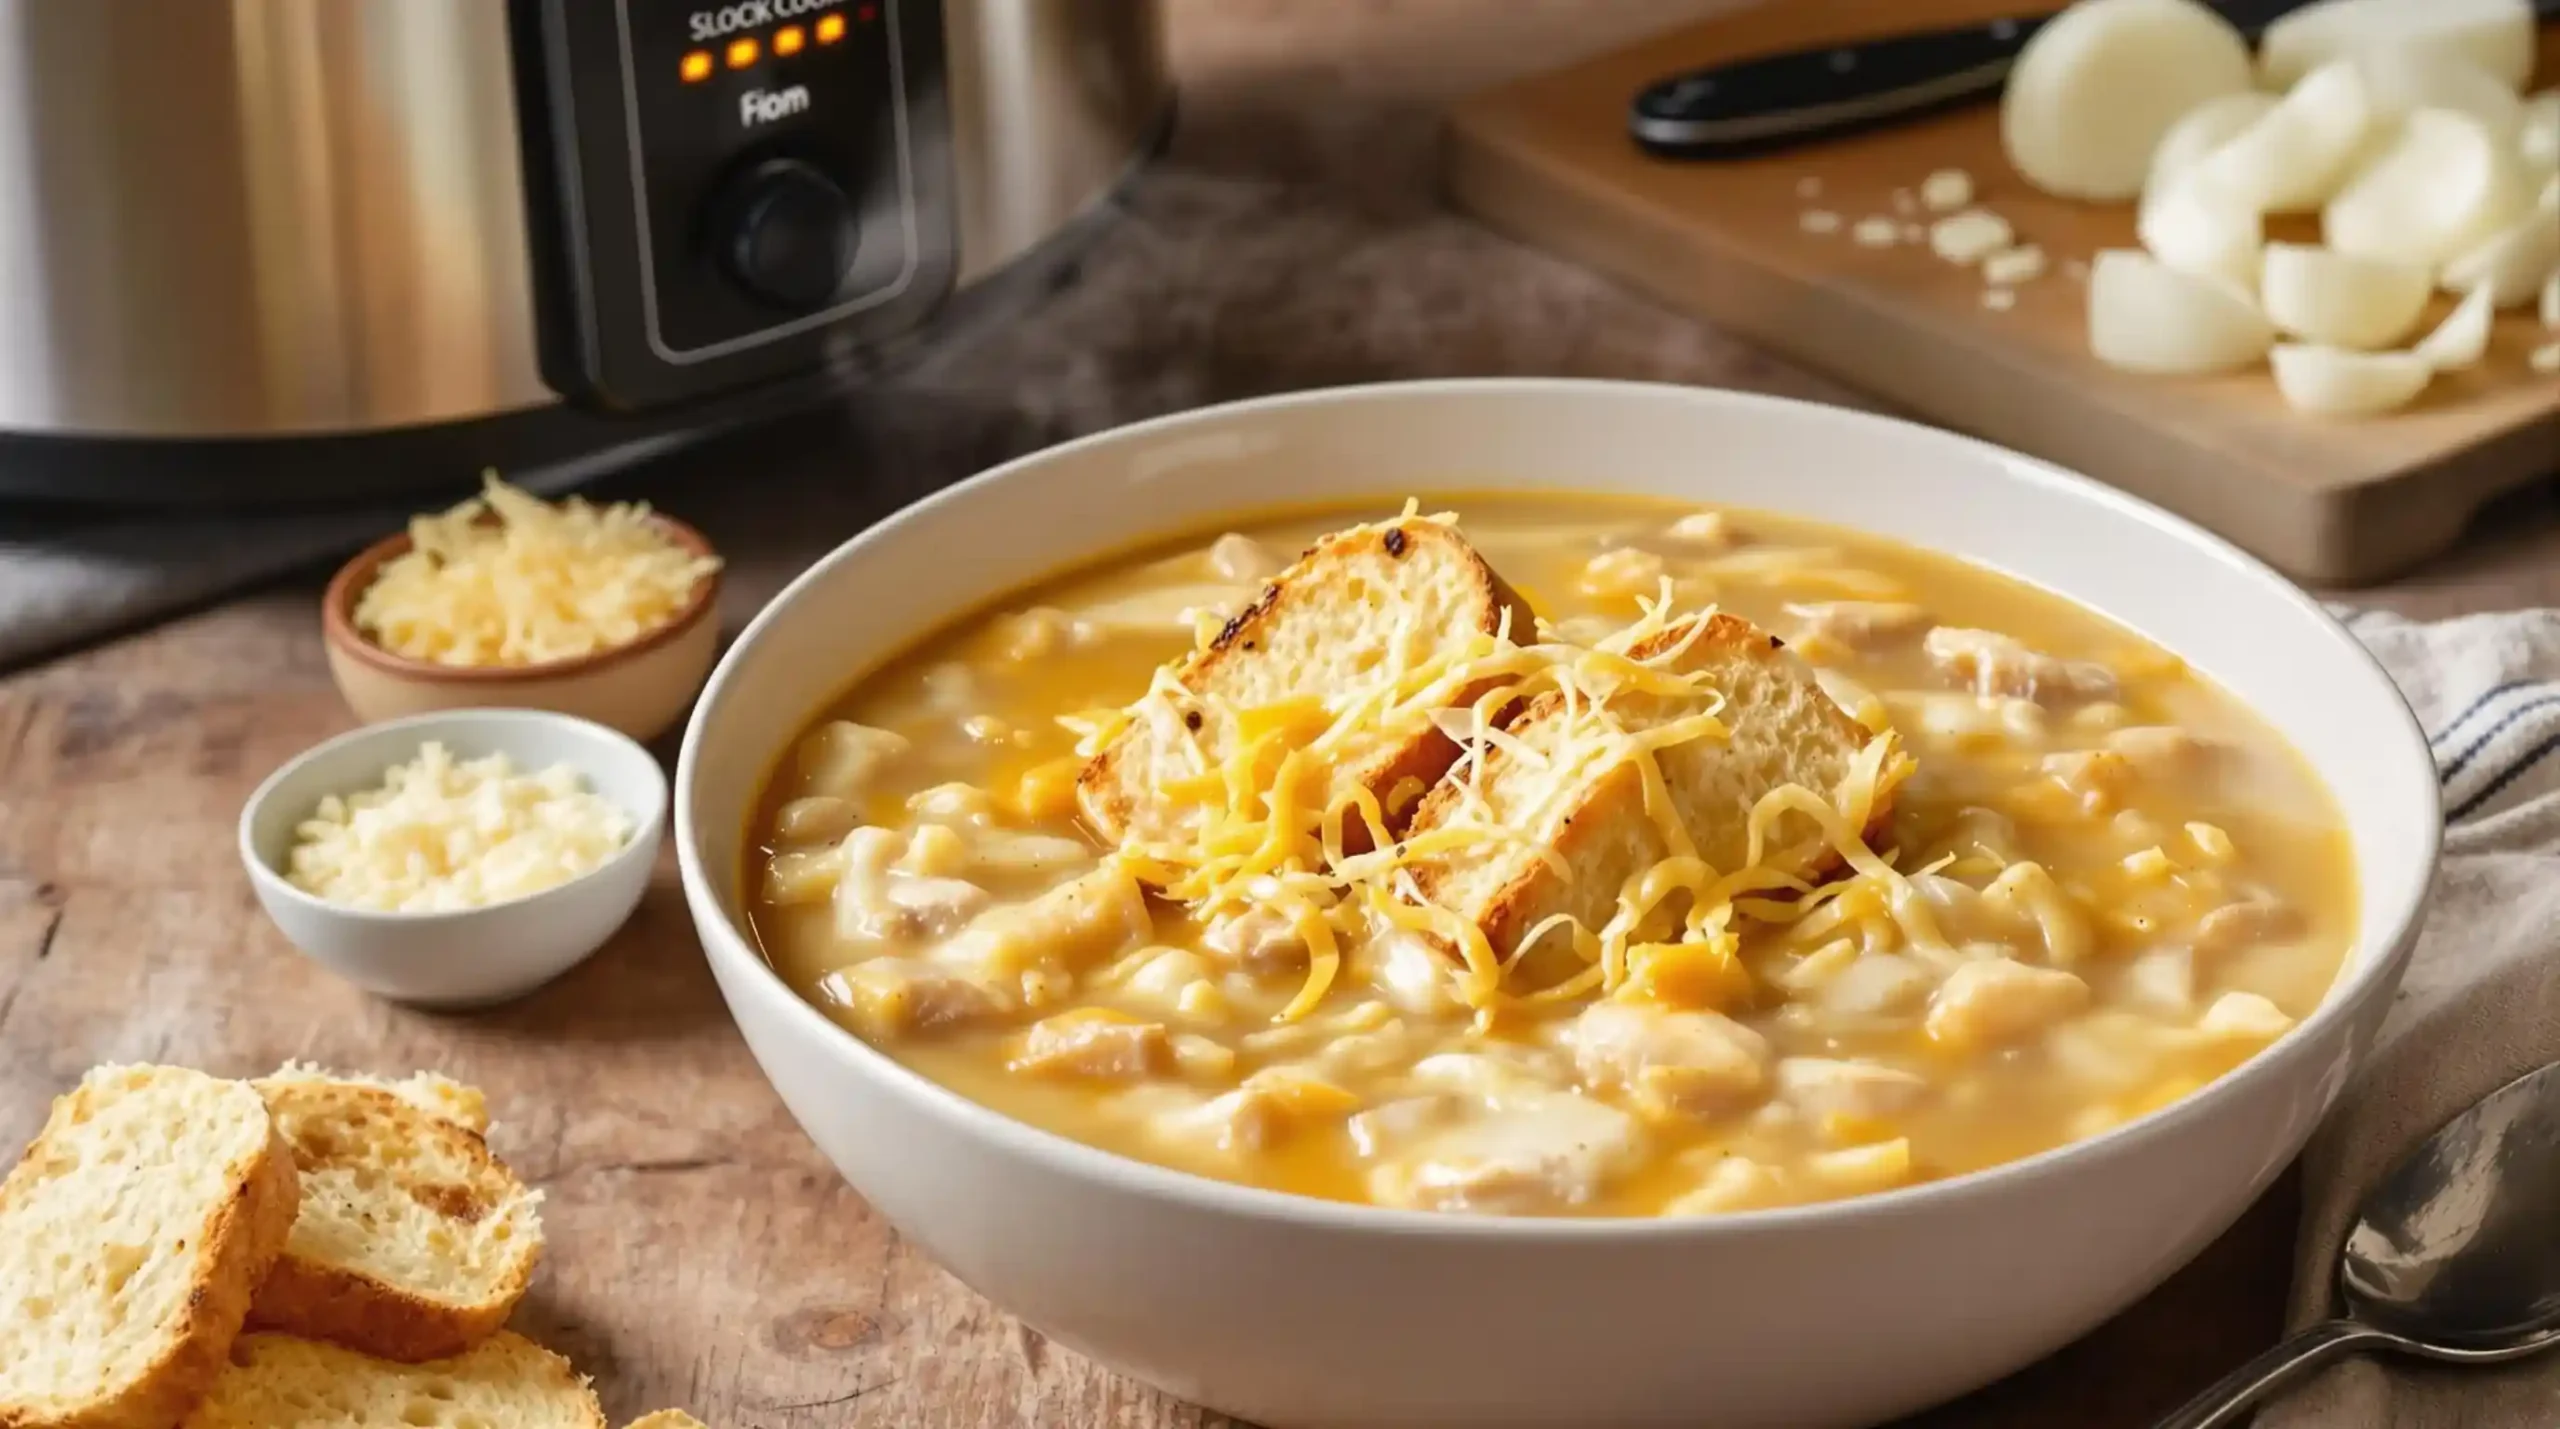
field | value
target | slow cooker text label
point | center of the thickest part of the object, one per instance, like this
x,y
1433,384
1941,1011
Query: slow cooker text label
x,y
758,106
748,14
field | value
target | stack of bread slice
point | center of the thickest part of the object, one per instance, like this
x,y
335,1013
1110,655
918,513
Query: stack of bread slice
x,y
359,1231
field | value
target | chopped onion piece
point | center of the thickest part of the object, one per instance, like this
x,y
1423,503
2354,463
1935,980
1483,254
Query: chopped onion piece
x,y
2302,150
2342,299
2400,82
2095,90
2203,129
2496,35
2195,227
2145,316
2440,187
2515,261
2462,339
2339,382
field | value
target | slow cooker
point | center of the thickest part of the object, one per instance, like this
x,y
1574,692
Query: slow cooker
x,y
262,250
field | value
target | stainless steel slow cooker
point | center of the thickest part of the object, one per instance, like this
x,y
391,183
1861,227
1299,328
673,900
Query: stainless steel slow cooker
x,y
292,249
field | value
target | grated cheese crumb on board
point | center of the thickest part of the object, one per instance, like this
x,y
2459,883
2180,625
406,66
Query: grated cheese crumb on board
x,y
2545,358
507,579
1970,236
438,835
1819,220
1999,300
1263,842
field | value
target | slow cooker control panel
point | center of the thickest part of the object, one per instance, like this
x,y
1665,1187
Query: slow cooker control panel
x,y
726,191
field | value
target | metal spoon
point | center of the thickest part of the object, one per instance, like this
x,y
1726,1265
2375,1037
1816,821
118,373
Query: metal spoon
x,y
2456,1257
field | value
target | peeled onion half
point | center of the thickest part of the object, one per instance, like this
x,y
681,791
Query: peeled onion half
x,y
2342,299
2202,130
2299,153
2462,339
2338,382
2496,35
2145,316
2191,224
2439,188
2095,90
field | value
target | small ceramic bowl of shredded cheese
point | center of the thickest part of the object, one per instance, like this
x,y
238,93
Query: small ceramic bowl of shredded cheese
x,y
604,612
458,858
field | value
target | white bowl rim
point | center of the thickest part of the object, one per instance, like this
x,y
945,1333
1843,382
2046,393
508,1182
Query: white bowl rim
x,y
647,831
1064,1156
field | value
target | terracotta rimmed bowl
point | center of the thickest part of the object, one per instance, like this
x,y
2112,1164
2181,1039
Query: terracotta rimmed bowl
x,y
641,688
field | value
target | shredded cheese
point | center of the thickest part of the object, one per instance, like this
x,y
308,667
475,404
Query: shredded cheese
x,y
508,579
1253,818
440,834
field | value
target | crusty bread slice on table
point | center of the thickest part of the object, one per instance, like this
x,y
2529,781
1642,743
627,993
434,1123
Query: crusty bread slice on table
x,y
667,1419
1783,729
414,1242
1322,627
504,1382
132,1234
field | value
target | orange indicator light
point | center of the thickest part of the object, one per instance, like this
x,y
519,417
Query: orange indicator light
x,y
788,40
830,29
743,53
697,67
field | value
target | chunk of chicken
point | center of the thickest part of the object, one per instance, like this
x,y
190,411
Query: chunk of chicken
x,y
841,758
2162,752
1831,1086
1624,571
2234,926
901,997
1238,557
2245,1014
1706,530
1694,1064
1271,1105
1094,1045
878,902
1995,1000
1071,927
1550,1153
1859,624
1042,631
2098,779
1990,664
1260,940
820,818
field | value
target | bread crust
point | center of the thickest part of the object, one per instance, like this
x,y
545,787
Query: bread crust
x,y
318,1300
1508,913
1104,792
242,1239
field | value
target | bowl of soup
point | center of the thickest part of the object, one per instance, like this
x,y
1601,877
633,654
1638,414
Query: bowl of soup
x,y
1545,902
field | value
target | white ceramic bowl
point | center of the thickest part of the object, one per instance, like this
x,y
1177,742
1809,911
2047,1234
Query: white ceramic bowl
x,y
478,956
1301,1314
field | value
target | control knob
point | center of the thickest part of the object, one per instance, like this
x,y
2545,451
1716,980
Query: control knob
x,y
790,234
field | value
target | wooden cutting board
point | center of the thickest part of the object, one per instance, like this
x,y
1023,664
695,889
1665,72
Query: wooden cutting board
x,y
1547,159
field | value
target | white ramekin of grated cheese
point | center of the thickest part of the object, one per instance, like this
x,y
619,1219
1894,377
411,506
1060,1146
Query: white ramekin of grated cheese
x,y
459,858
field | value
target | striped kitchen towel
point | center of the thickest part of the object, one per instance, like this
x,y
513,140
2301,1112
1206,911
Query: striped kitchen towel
x,y
2479,1007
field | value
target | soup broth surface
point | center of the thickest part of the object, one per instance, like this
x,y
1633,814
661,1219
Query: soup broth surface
x,y
2135,885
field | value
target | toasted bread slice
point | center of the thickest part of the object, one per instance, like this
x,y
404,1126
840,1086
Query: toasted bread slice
x,y
1356,598
1783,730
414,1242
435,1091
131,1236
504,1382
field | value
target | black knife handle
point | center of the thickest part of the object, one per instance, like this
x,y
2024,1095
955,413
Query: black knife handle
x,y
1772,101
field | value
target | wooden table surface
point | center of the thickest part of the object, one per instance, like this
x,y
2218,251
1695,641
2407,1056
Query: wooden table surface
x,y
701,1253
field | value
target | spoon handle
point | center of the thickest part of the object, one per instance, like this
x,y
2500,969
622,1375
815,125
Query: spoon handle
x,y
2233,1395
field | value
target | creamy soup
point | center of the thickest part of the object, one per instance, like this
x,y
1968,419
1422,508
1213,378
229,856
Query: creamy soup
x,y
2102,882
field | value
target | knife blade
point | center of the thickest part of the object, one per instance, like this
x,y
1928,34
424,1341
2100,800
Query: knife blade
x,y
1776,101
